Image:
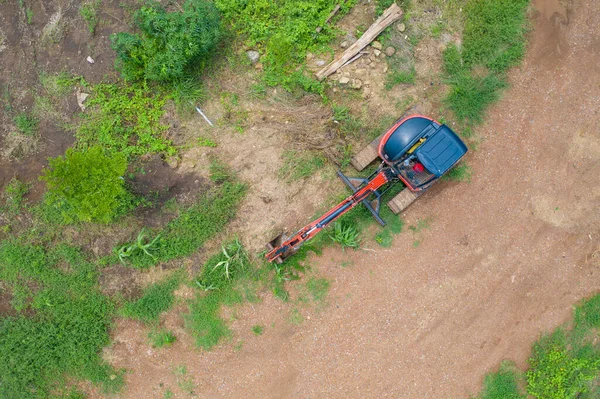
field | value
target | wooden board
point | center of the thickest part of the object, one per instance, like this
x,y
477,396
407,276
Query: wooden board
x,y
389,16
402,201
367,155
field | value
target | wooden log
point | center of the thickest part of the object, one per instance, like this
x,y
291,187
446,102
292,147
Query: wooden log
x,y
389,16
367,155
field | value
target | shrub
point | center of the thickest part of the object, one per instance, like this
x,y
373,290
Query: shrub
x,y
125,119
86,185
26,124
170,43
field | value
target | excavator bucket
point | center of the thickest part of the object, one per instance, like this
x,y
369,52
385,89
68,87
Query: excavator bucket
x,y
276,242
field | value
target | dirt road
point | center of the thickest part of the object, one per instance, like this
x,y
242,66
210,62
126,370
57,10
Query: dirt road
x,y
504,259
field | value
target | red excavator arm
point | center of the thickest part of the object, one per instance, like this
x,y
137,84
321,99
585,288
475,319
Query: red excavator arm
x,y
309,231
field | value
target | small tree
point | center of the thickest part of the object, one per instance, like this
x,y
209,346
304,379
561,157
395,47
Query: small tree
x,y
169,43
86,185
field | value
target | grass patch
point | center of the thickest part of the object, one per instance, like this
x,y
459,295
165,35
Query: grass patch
x,y
461,172
26,124
217,283
61,324
493,41
317,288
13,196
345,234
300,165
89,12
396,77
155,299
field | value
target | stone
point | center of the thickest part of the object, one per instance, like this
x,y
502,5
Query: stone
x,y
90,60
253,55
259,66
361,71
344,44
377,53
356,84
366,92
385,68
309,56
173,162
376,45
390,51
81,98
320,63
401,27
344,80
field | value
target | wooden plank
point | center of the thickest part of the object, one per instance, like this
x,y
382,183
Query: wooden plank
x,y
389,16
401,201
367,155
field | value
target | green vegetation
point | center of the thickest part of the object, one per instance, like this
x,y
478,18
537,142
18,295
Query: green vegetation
x,y
217,283
503,384
300,165
564,364
345,234
61,322
396,77
124,119
317,288
493,41
284,32
13,194
87,185
461,172
139,247
161,337
89,12
155,299
26,124
192,228
170,44
257,329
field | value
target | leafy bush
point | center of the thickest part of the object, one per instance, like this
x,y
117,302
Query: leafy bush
x,y
125,119
503,384
170,43
557,372
86,185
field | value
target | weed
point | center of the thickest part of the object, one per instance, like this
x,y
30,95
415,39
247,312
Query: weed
x,y
219,171
217,280
345,234
233,114
139,247
155,299
587,314
461,172
503,384
87,185
396,77
206,142
124,119
257,329
300,165
384,238
26,124
258,91
296,317
421,225
60,84
168,394
170,44
13,194
185,92
89,12
161,337
29,15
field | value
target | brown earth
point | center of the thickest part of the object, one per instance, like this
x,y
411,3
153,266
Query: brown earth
x,y
504,259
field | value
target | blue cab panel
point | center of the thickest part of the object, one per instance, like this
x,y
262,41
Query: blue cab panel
x,y
441,151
